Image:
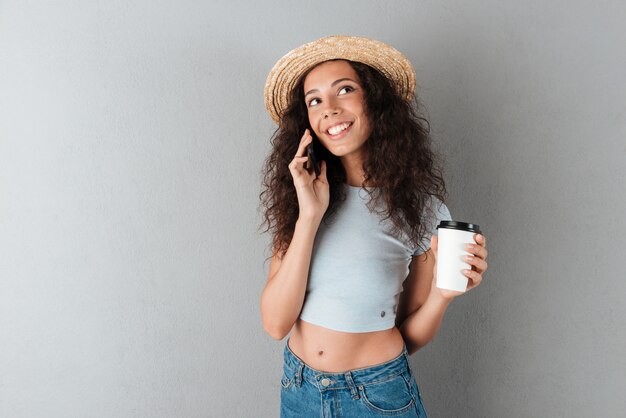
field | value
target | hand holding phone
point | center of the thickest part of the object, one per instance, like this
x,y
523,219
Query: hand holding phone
x,y
312,190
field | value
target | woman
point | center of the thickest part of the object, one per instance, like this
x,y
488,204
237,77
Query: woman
x,y
352,275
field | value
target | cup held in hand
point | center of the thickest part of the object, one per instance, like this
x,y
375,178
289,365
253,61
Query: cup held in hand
x,y
452,238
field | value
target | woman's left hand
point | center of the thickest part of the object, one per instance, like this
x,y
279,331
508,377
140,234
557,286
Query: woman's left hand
x,y
477,261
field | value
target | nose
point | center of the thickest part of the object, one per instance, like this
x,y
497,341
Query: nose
x,y
330,109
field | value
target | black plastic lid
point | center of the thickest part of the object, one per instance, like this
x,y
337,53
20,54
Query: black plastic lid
x,y
459,225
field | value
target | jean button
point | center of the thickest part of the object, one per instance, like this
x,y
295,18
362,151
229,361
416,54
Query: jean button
x,y
325,382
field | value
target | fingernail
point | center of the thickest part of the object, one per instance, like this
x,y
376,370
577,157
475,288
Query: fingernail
x,y
468,258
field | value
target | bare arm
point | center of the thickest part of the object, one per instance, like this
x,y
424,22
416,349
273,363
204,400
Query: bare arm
x,y
424,305
420,311
422,325
283,295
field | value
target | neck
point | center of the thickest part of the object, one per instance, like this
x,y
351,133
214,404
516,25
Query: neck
x,y
353,166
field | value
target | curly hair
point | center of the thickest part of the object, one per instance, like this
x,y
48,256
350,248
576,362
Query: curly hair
x,y
398,159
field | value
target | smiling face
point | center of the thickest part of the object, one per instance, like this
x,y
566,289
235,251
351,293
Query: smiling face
x,y
335,103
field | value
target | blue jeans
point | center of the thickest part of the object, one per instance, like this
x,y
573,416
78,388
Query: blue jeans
x,y
387,389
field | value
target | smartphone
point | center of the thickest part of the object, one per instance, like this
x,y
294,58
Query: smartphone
x,y
312,162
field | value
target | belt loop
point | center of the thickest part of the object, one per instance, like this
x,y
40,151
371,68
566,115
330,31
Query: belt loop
x,y
405,353
298,376
408,366
353,390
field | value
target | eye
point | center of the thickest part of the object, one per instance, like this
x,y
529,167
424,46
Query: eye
x,y
313,102
347,89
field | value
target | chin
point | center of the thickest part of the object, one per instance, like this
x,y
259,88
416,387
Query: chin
x,y
334,149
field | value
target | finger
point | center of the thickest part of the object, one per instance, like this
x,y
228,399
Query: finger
x,y
479,264
304,141
296,161
477,250
480,240
482,252
474,276
299,160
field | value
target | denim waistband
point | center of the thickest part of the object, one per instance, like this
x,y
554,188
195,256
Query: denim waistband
x,y
348,379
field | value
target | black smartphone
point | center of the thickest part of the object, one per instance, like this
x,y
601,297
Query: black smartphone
x,y
312,162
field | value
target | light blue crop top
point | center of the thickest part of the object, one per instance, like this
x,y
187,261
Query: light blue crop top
x,y
358,267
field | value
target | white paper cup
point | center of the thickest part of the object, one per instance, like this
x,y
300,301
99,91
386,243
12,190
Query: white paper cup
x,y
452,238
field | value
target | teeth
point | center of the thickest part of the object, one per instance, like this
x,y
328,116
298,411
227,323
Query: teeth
x,y
338,128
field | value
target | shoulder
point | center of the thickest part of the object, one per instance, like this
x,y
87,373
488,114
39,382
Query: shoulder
x,y
435,209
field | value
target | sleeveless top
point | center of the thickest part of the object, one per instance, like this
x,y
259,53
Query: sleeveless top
x,y
358,266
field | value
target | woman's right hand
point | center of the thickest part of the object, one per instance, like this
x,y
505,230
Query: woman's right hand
x,y
313,192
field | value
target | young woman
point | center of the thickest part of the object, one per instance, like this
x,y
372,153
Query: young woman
x,y
352,272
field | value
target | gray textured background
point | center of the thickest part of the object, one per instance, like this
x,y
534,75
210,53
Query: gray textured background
x,y
131,138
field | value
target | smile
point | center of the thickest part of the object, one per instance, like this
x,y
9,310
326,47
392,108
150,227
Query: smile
x,y
338,130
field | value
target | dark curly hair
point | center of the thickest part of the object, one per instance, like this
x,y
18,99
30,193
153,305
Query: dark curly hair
x,y
398,159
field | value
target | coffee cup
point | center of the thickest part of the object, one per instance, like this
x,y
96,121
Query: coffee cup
x,y
451,241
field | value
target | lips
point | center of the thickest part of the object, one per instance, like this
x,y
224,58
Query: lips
x,y
338,129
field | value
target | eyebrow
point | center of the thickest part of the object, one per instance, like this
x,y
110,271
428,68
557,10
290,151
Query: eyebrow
x,y
332,85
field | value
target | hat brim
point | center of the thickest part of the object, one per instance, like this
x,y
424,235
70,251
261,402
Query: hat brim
x,y
289,69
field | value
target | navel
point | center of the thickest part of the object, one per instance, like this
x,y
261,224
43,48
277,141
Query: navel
x,y
320,352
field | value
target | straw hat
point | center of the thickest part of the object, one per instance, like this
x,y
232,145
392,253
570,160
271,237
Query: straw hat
x,y
288,70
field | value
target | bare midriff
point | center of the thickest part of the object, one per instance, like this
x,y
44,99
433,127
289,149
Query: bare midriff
x,y
334,351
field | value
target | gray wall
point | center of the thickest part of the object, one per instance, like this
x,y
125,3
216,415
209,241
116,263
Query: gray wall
x,y
131,139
